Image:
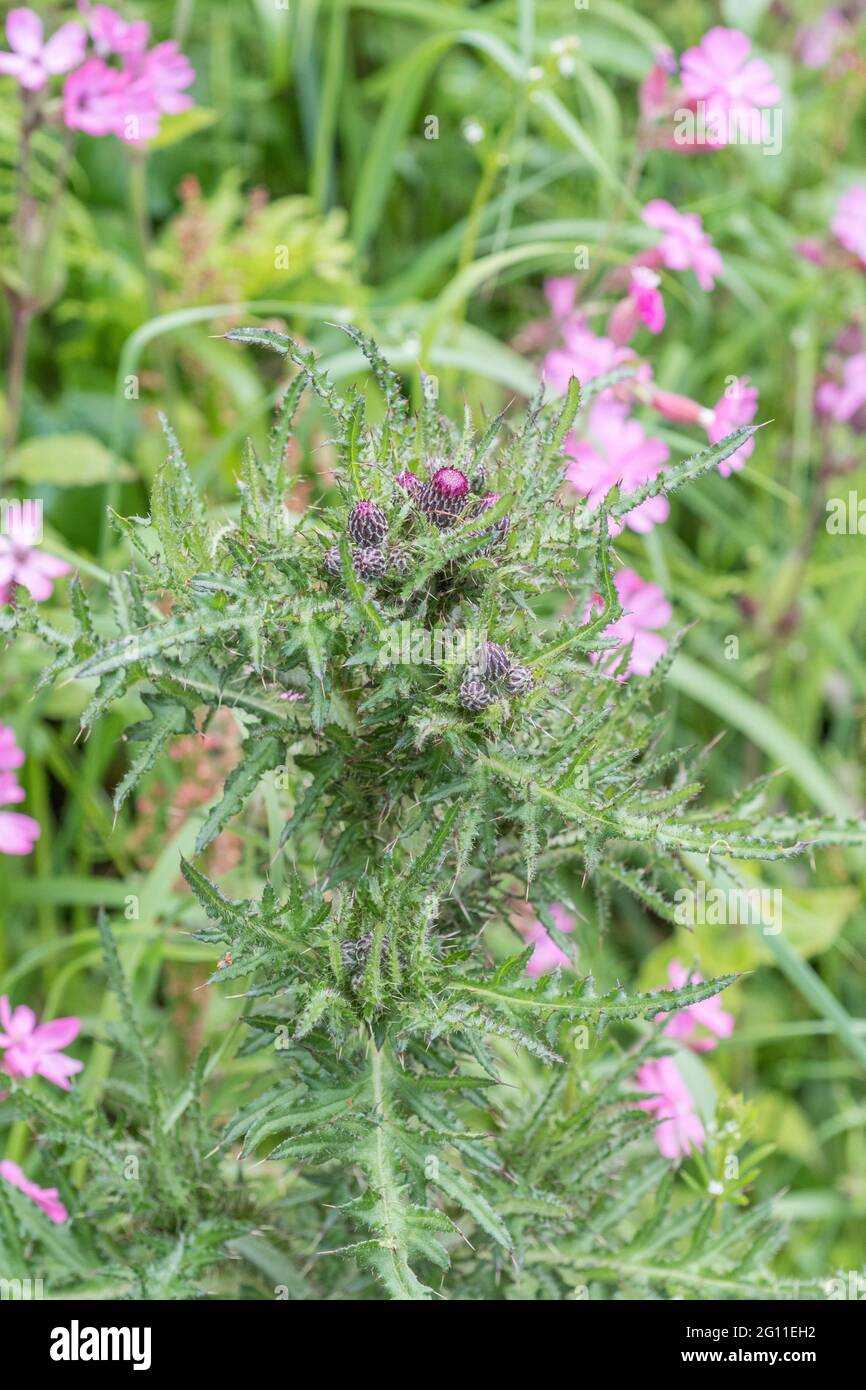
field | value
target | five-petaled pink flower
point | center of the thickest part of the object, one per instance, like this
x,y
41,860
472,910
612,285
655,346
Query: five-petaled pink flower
x,y
33,1049
127,98
738,407
45,1197
843,401
20,561
849,221
33,61
679,1126
708,1013
720,73
645,610
684,244
584,355
615,450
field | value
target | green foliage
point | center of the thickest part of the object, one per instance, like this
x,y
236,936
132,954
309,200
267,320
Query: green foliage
x,y
415,824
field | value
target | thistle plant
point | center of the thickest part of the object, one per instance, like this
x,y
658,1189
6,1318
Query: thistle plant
x,y
448,1126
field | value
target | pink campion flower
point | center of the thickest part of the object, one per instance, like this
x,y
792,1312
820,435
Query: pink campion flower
x,y
684,244
642,304
842,401
720,73
165,72
615,450
111,33
560,291
92,98
33,1049
815,44
849,221
45,1197
708,1014
21,563
679,1126
11,755
645,609
738,406
33,61
584,355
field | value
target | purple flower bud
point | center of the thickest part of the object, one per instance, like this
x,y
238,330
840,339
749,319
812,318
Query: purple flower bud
x,y
474,694
495,662
444,497
367,524
368,561
519,680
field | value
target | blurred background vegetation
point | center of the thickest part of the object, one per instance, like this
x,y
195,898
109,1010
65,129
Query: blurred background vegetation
x,y
389,163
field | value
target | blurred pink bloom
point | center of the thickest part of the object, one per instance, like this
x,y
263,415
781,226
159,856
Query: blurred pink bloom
x,y
646,609
92,98
849,221
707,1014
643,304
32,61
815,44
18,833
165,73
842,402
680,1125
615,451
684,244
34,1049
737,407
111,33
21,563
45,1197
11,755
811,250
654,90
560,292
647,297
584,356
547,955
720,73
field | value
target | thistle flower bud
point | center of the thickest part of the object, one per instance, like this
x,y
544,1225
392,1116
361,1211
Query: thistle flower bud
x,y
443,498
474,694
519,680
408,481
368,561
398,562
333,563
495,661
367,524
